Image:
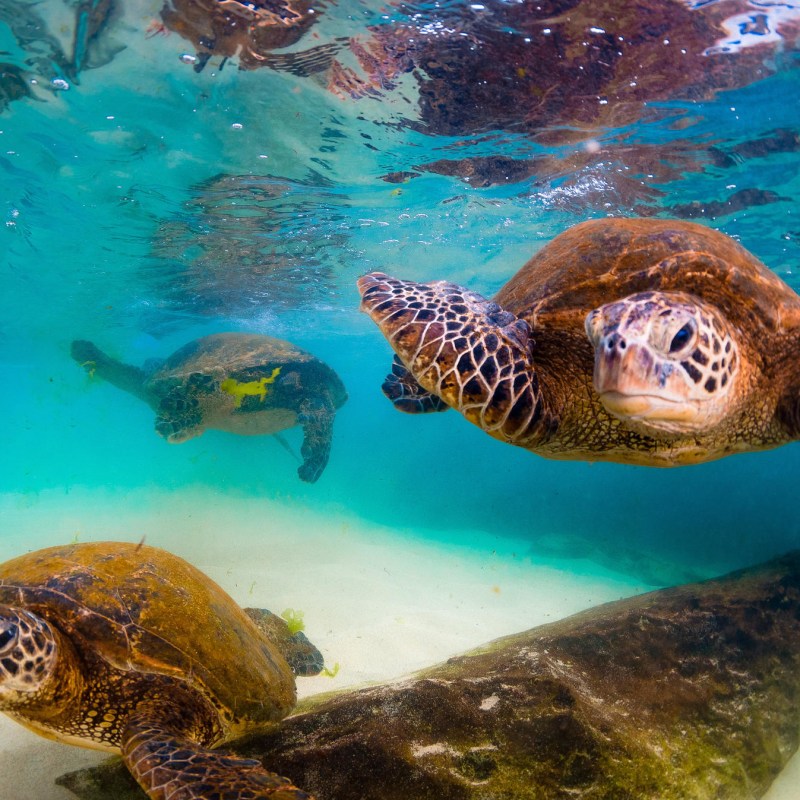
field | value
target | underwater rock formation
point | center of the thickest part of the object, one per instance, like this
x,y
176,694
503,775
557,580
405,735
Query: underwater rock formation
x,y
738,201
780,140
12,84
689,692
577,179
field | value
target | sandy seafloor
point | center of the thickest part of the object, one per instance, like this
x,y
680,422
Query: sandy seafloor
x,y
377,602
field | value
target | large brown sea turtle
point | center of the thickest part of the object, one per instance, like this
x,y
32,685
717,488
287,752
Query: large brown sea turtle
x,y
633,340
130,649
236,382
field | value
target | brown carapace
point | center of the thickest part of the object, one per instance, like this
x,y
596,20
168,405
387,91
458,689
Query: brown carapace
x,y
127,648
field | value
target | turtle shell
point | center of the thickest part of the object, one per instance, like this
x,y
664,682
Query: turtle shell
x,y
142,609
238,354
224,353
599,261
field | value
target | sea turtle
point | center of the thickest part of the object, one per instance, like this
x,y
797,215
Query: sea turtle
x,y
640,341
128,648
237,382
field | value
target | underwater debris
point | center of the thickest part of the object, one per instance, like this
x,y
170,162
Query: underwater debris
x,y
294,619
241,389
332,672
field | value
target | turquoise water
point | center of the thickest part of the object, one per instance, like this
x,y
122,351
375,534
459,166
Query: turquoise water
x,y
146,203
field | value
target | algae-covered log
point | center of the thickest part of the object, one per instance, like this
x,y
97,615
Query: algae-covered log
x,y
691,692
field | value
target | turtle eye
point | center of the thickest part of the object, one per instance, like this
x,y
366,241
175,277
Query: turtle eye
x,y
682,337
8,634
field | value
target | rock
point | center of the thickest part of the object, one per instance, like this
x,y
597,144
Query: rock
x,y
690,692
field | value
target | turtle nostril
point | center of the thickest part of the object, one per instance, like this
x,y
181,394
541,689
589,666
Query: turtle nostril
x,y
614,341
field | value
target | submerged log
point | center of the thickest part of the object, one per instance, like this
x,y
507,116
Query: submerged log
x,y
690,692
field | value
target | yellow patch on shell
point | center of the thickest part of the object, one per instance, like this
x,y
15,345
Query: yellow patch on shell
x,y
241,389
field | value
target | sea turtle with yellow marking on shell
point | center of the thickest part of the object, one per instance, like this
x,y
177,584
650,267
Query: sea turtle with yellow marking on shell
x,y
639,341
237,382
131,649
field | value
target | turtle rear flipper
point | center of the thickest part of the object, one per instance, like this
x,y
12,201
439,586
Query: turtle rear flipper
x,y
169,766
123,376
401,387
316,417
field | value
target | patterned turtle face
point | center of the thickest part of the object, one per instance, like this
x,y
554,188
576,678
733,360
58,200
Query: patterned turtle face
x,y
27,655
664,362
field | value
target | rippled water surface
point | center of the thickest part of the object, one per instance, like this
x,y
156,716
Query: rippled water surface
x,y
168,172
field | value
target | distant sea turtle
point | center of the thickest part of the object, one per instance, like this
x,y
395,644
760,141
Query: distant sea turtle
x,y
125,647
640,341
236,382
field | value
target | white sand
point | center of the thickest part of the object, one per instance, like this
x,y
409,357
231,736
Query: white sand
x,y
375,601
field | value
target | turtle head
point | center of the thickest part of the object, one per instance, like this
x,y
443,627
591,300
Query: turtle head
x,y
28,655
665,362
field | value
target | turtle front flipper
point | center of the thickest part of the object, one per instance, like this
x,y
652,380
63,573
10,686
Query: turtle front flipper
x,y
316,417
464,349
169,766
123,376
401,387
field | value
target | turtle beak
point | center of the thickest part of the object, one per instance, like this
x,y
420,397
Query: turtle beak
x,y
626,375
620,366
632,385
